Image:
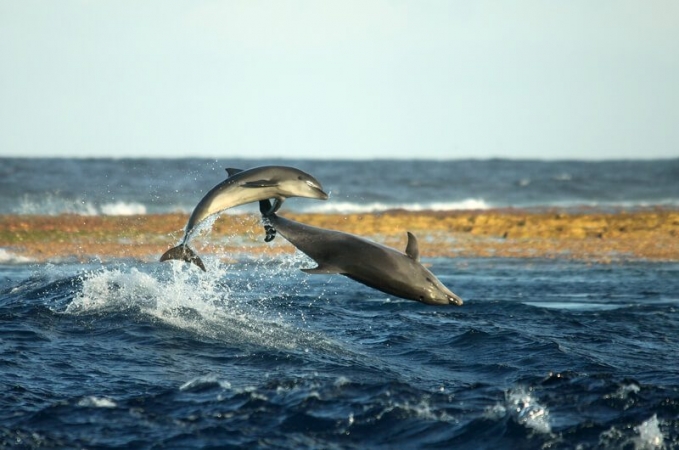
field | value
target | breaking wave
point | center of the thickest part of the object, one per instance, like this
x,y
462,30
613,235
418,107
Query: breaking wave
x,y
52,205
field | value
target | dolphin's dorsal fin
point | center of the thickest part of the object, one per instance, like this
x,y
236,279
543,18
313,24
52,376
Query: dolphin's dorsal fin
x,y
413,248
231,171
322,269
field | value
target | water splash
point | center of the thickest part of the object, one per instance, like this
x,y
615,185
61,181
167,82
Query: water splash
x,y
238,304
521,406
647,436
650,436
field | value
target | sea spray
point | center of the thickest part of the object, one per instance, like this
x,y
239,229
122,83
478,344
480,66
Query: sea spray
x,y
521,405
650,437
231,303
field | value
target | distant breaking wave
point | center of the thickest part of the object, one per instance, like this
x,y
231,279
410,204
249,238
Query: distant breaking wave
x,y
52,205
341,207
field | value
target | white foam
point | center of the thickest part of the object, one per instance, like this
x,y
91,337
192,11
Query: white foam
x,y
179,295
521,405
353,207
97,402
53,204
123,209
204,381
576,306
647,436
650,436
422,410
624,391
7,257
563,177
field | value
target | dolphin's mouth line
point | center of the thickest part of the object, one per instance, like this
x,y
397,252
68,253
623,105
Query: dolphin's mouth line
x,y
322,192
316,187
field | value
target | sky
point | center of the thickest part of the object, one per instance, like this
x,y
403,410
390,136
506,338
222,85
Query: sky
x,y
576,79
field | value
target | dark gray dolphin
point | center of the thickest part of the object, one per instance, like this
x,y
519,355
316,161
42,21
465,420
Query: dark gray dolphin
x,y
380,267
246,186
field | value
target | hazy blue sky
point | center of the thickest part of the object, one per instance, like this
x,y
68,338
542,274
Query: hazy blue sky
x,y
350,79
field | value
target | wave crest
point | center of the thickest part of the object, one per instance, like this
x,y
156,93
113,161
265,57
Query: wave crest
x,y
346,207
54,205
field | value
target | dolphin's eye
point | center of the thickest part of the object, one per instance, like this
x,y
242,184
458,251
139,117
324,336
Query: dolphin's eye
x,y
429,280
299,177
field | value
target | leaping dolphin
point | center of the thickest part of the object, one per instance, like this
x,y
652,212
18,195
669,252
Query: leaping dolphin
x,y
246,186
377,266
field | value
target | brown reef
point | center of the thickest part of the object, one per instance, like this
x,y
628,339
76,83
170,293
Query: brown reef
x,y
589,236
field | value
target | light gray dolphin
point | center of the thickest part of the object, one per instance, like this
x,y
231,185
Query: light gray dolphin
x,y
246,186
377,266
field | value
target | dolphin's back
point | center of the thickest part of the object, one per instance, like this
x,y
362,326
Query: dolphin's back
x,y
375,265
247,186
340,248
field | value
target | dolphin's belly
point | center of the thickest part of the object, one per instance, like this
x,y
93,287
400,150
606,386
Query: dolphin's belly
x,y
224,198
239,196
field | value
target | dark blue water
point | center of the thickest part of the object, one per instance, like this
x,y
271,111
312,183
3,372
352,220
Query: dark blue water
x,y
134,186
256,354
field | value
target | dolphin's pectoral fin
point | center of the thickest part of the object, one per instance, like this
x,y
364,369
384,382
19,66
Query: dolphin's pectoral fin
x,y
184,253
265,207
232,171
322,269
259,184
277,203
413,248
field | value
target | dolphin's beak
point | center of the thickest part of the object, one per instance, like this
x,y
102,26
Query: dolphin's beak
x,y
322,194
454,299
318,190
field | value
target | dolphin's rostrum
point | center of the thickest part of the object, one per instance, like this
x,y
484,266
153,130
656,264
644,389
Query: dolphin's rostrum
x,y
246,186
369,263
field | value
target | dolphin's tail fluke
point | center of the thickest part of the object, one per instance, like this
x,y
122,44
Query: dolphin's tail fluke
x,y
184,253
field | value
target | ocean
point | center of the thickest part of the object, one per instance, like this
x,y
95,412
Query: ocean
x,y
254,353
148,186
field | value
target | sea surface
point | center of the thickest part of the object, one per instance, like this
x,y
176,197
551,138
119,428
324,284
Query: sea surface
x,y
553,354
139,186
